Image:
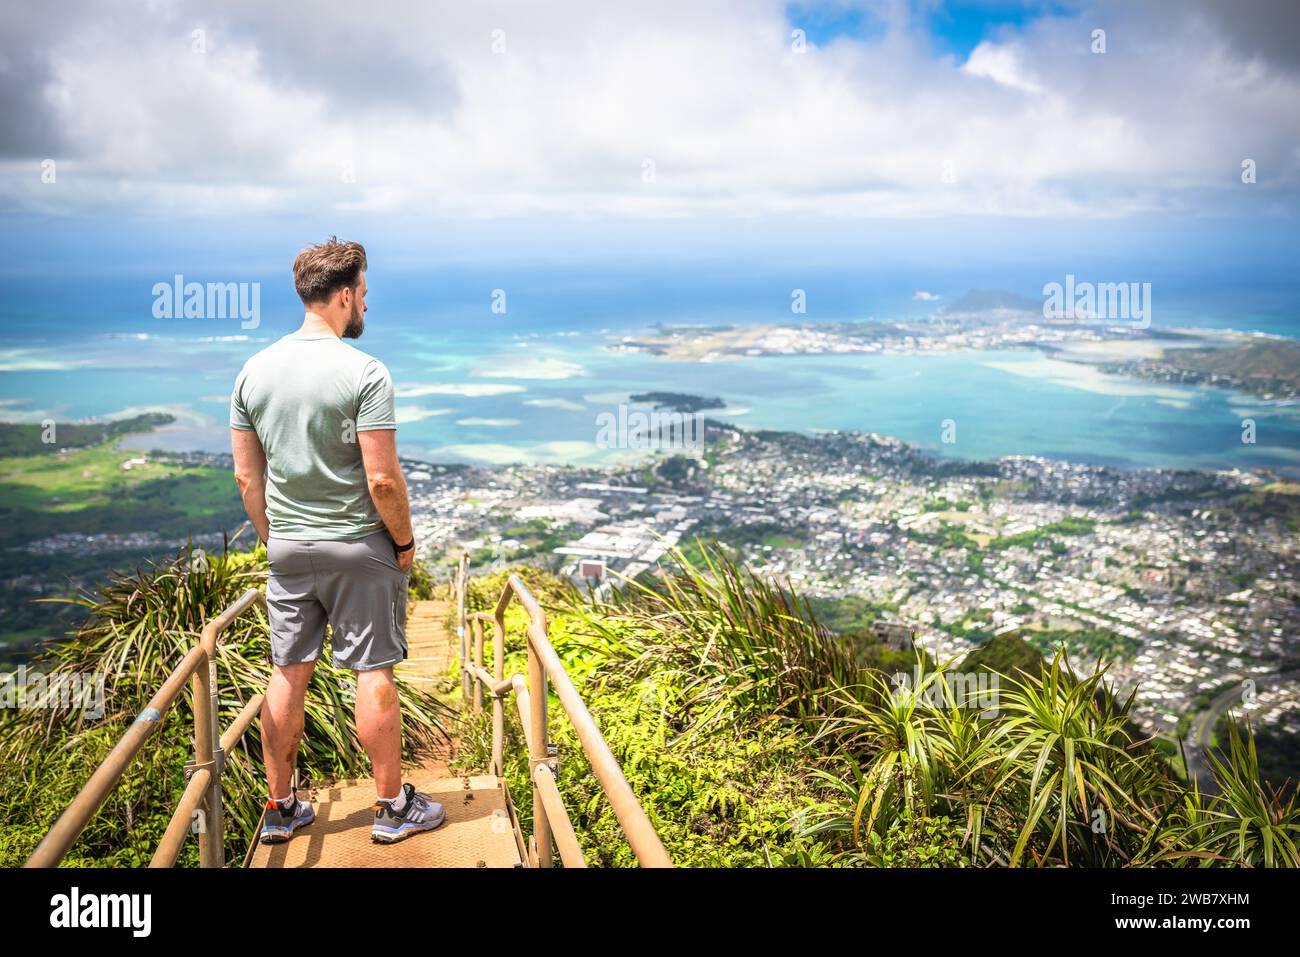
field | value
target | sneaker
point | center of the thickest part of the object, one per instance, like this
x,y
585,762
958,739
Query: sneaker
x,y
279,824
419,814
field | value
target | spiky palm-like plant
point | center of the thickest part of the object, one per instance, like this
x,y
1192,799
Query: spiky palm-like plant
x,y
748,649
897,729
1068,760
137,629
1248,823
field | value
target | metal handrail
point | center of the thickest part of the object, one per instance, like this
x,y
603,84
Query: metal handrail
x,y
551,821
199,666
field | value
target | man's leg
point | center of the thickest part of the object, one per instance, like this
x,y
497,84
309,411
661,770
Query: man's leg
x,y
364,591
379,726
297,622
282,721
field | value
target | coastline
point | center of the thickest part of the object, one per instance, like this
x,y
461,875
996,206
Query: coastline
x,y
1014,386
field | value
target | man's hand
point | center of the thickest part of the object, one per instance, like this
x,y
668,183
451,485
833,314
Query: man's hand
x,y
407,558
388,486
250,476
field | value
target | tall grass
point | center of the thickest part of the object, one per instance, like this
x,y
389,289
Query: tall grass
x,y
905,773
1249,822
1053,779
743,649
137,628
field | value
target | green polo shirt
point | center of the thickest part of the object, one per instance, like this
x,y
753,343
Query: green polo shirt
x,y
307,396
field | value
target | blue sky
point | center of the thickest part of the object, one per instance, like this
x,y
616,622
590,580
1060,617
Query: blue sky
x,y
953,28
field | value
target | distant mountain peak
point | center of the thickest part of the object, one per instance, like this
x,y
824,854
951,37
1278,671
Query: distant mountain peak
x,y
989,300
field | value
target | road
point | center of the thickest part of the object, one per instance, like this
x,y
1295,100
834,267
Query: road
x,y
1199,732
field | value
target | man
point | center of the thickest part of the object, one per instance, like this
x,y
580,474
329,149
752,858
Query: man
x,y
313,430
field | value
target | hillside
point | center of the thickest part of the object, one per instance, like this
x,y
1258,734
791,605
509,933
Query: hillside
x,y
749,731
71,516
756,736
31,439
1269,368
1006,654
1258,360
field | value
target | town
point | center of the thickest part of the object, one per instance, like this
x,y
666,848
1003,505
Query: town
x,y
1184,582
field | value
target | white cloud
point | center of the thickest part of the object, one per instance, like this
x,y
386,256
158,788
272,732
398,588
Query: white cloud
x,y
467,389
546,368
736,125
566,404
411,413
1002,64
554,453
33,360
488,423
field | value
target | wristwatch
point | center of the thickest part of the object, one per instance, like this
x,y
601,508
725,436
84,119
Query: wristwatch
x,y
404,548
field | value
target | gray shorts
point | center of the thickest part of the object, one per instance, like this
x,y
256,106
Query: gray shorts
x,y
357,586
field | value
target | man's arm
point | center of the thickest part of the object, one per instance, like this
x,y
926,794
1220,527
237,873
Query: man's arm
x,y
388,486
250,476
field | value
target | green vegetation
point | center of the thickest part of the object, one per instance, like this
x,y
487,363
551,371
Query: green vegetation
x,y
851,618
675,471
17,439
536,537
942,504
946,536
975,627
679,401
1092,643
851,613
1066,526
752,733
1007,488
137,629
753,736
1263,367
761,533
1279,502
1006,654
737,539
1278,749
949,535
86,492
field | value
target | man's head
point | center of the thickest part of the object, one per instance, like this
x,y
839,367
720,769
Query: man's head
x,y
331,281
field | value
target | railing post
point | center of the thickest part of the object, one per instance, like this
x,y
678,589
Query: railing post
x,y
540,751
207,752
478,664
498,702
462,586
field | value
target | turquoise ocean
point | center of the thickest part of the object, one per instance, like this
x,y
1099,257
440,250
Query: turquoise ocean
x,y
528,384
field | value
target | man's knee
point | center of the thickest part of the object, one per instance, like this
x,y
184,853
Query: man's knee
x,y
377,688
294,677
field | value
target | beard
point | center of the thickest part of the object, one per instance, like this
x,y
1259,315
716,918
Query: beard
x,y
356,324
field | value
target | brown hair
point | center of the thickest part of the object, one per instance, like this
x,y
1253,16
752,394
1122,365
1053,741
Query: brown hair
x,y
325,268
